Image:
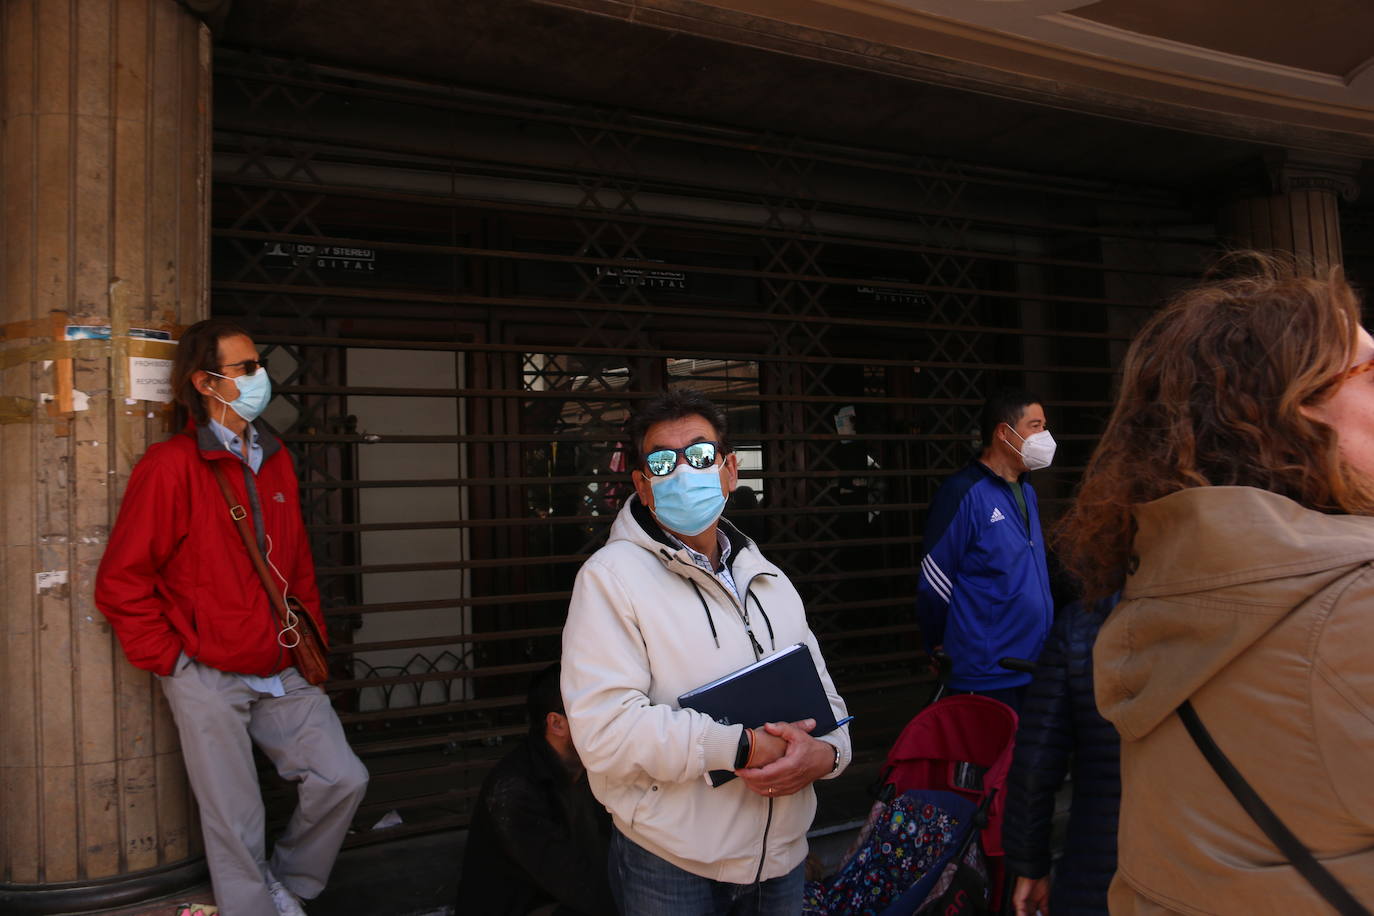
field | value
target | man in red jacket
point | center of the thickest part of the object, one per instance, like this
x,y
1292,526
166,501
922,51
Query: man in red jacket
x,y
179,588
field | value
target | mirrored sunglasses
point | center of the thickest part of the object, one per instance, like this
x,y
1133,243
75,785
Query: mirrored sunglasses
x,y
697,455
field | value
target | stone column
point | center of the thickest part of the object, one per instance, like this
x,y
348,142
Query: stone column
x,y
1295,209
104,204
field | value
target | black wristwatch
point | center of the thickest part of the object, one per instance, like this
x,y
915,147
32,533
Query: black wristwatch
x,y
742,755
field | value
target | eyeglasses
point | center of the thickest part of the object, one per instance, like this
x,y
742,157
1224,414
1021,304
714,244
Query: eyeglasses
x,y
1329,387
699,455
249,366
1358,369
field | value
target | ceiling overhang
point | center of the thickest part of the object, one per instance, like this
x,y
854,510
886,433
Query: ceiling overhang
x,y
1063,53
880,74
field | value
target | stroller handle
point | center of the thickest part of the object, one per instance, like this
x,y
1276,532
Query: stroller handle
x,y
944,665
1010,662
1017,664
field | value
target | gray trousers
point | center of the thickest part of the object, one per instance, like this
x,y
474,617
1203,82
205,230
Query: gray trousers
x,y
219,718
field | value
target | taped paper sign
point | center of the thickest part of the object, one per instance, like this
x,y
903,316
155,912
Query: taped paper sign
x,y
150,379
50,579
102,332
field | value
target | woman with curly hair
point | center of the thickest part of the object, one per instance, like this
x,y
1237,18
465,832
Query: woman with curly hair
x,y
1230,499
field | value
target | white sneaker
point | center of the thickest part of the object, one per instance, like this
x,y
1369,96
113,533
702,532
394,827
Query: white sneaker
x,y
287,903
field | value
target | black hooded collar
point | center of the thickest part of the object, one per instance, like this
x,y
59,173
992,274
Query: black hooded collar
x,y
645,518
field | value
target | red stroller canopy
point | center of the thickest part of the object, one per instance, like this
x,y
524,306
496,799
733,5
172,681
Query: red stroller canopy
x,y
961,744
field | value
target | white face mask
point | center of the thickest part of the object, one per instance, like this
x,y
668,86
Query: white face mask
x,y
1037,449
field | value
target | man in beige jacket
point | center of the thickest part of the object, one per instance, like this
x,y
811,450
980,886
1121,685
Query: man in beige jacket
x,y
677,598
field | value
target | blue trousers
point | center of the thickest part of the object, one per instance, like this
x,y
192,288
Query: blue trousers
x,y
645,885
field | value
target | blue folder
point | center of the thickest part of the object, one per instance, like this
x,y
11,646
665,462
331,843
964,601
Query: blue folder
x,y
782,687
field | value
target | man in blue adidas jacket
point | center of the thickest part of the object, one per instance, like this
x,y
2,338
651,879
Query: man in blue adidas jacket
x,y
984,591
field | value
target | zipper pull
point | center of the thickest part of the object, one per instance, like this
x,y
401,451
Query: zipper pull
x,y
758,649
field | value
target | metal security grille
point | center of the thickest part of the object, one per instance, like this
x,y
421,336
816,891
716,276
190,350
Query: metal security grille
x,y
464,294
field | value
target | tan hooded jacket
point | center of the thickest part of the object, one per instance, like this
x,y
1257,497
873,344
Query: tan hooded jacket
x,y
1261,612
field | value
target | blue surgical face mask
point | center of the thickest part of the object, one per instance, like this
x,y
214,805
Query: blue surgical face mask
x,y
689,500
254,392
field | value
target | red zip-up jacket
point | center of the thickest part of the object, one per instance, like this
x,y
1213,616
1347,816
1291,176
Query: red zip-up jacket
x,y
176,576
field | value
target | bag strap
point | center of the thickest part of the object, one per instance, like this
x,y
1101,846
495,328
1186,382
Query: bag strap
x,y
240,516
1307,865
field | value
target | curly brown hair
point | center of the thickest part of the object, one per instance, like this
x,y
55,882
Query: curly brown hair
x,y
1212,393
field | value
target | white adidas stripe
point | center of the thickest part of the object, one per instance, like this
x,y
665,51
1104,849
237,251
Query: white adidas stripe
x,y
936,577
936,573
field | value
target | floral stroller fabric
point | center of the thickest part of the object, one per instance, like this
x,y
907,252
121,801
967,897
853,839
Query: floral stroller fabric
x,y
910,843
948,771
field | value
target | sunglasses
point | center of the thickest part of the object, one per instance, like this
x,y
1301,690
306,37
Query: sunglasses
x,y
249,366
699,455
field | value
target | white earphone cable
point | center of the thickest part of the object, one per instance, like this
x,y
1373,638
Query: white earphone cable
x,y
289,636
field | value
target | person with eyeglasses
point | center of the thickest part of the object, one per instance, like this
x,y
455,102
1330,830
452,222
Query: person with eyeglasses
x,y
677,598
1231,500
181,592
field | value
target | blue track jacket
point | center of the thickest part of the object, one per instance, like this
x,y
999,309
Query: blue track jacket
x,y
984,590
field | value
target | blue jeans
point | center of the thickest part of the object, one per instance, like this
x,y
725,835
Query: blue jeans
x,y
645,885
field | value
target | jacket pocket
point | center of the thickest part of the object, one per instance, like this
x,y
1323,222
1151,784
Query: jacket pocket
x,y
182,662
722,826
231,629
645,804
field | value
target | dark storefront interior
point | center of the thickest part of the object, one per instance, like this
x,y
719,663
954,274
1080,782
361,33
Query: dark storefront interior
x,y
472,237
463,293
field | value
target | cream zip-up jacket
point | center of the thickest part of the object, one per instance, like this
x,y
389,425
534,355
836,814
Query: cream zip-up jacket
x,y
1261,612
645,626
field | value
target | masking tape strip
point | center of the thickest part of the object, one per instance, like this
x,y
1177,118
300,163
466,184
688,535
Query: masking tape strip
x,y
58,349
63,371
143,346
86,349
16,410
42,327
22,330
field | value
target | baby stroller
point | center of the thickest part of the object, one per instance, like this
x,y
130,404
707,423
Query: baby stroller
x,y
962,745
938,818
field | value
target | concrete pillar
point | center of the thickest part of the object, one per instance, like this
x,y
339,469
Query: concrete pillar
x,y
104,208
1295,209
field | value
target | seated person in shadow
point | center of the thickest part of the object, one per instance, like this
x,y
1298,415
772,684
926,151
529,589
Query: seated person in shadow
x,y
538,840
755,527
